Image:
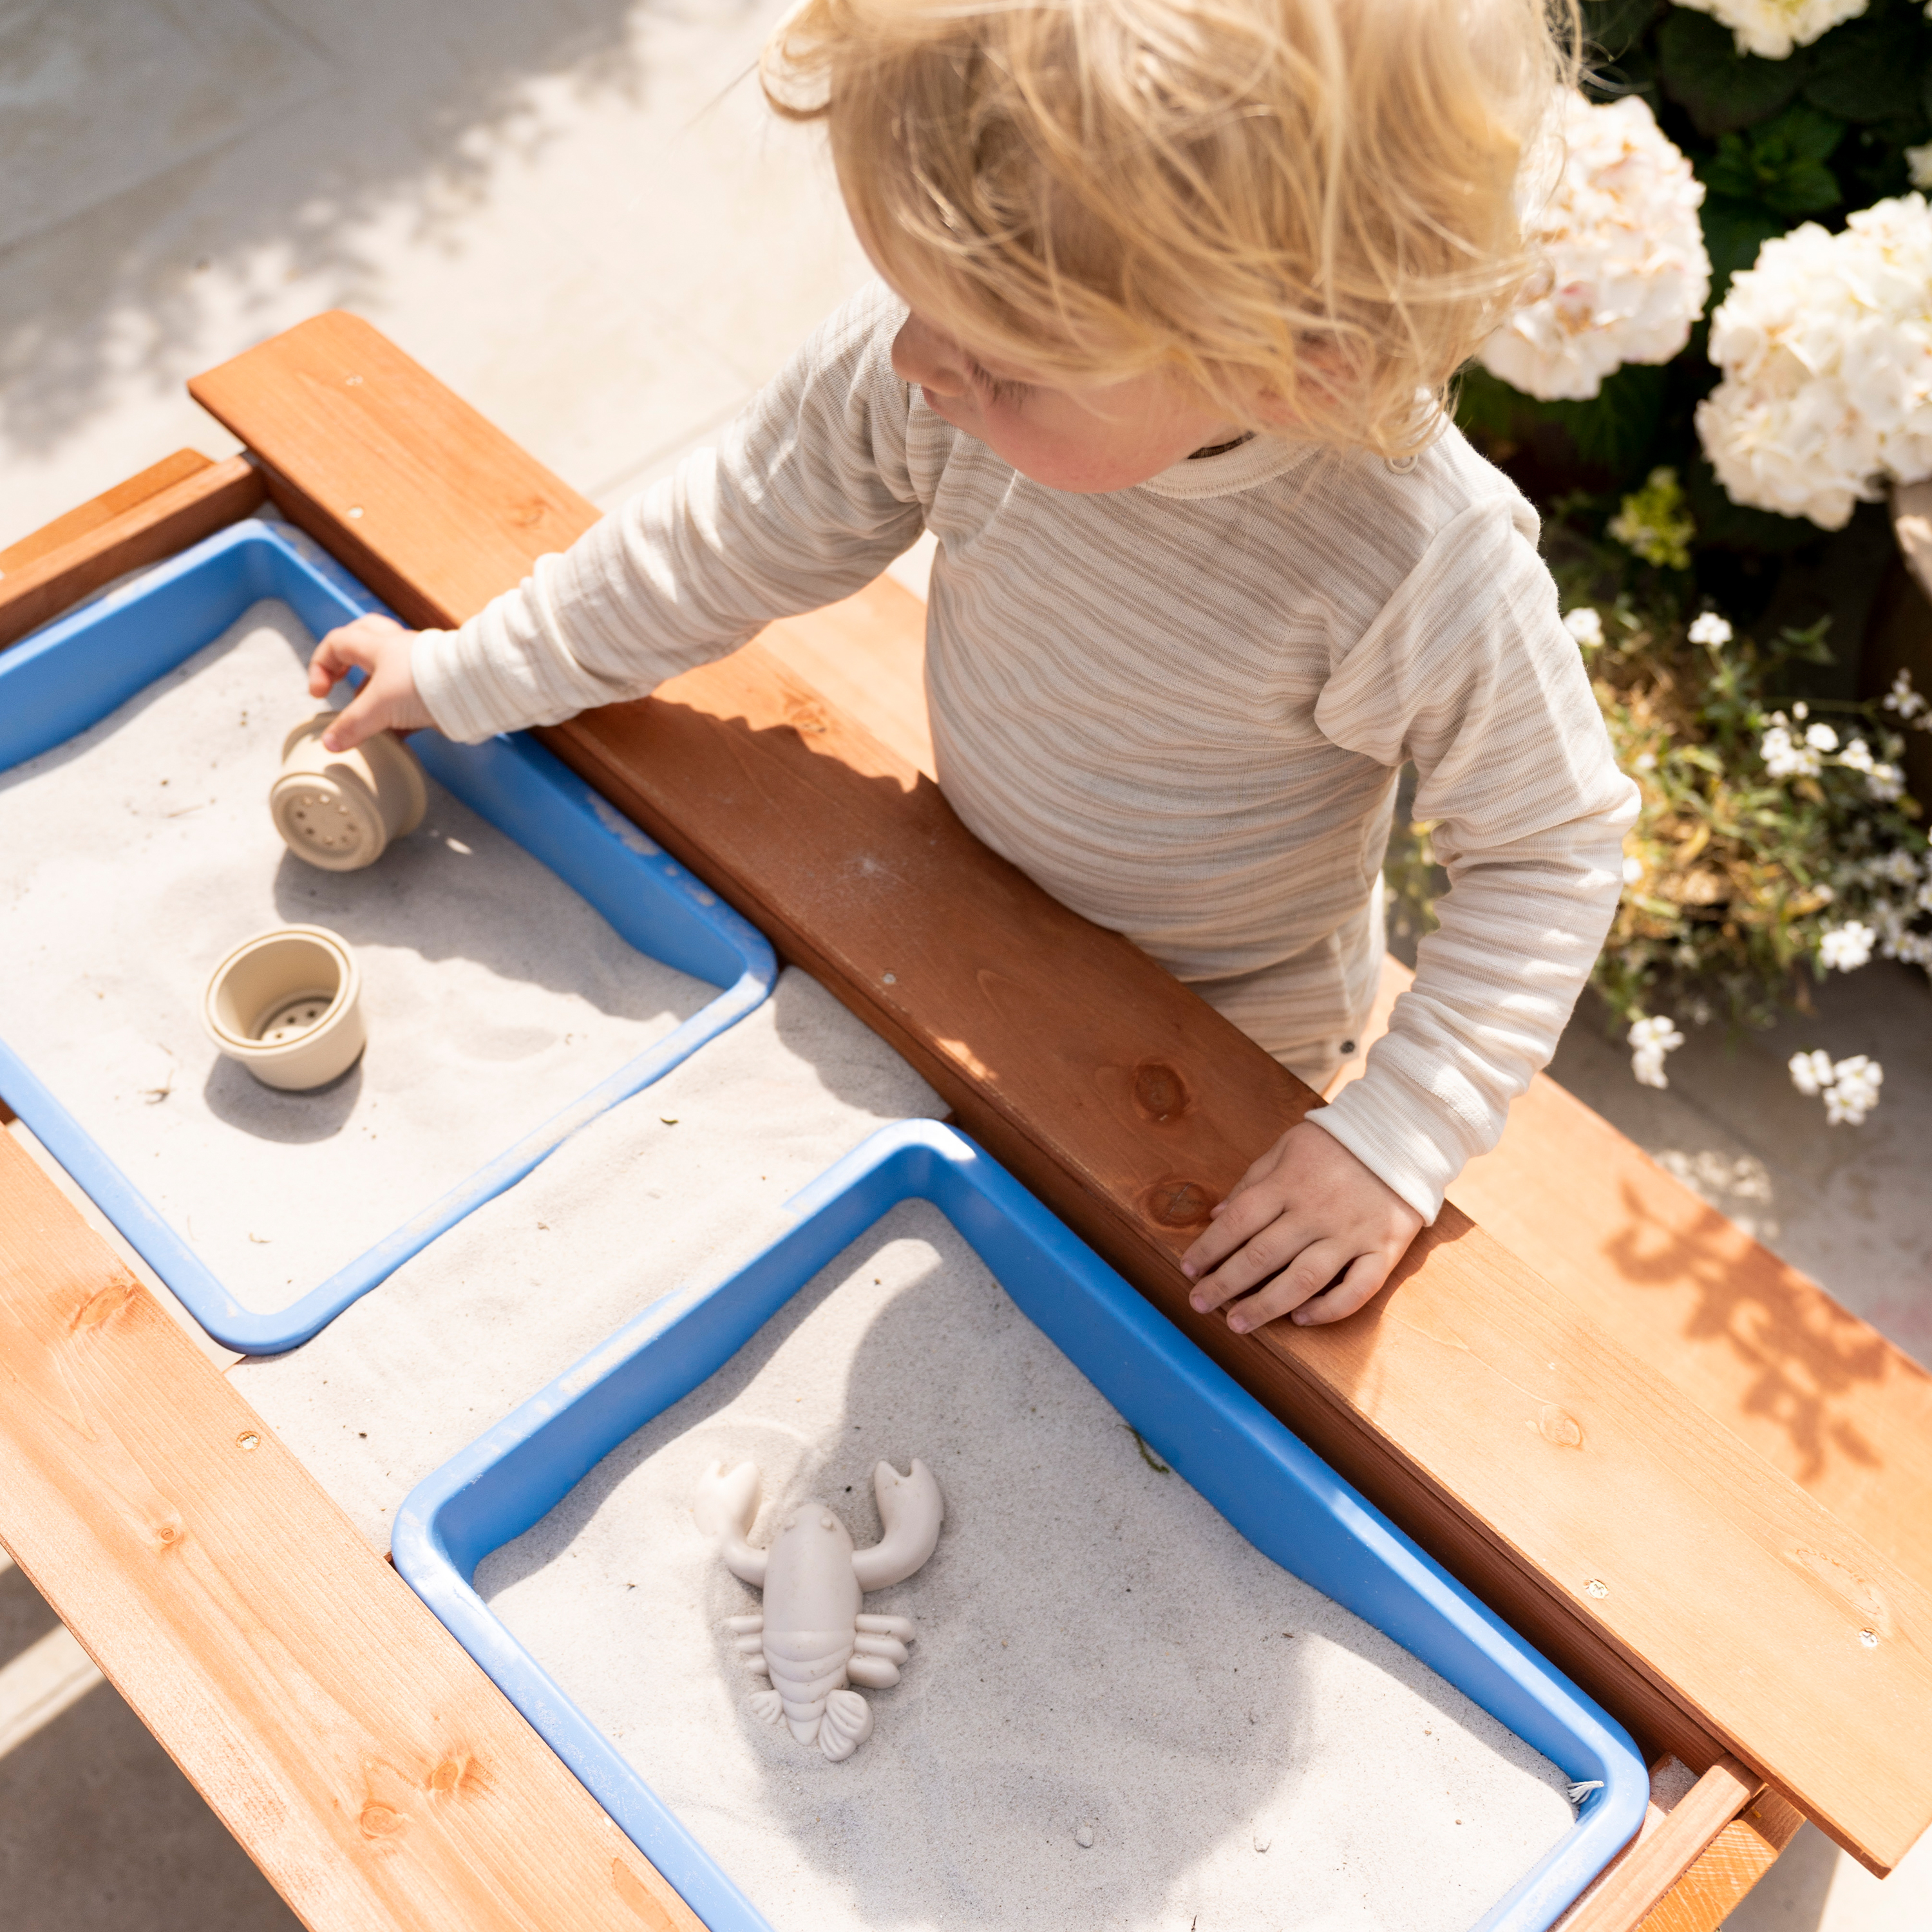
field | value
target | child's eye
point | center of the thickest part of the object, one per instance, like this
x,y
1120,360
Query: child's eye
x,y
994,389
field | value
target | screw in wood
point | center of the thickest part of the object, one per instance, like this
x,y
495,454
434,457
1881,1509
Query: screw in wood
x,y
1869,1638
248,1441
1596,1587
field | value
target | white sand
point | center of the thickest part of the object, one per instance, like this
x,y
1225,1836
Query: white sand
x,y
630,1208
1095,1645
133,857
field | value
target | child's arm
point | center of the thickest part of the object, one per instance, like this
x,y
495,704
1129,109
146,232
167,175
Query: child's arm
x,y
1469,671
806,498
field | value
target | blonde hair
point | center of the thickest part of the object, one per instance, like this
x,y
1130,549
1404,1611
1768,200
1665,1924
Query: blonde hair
x,y
1311,210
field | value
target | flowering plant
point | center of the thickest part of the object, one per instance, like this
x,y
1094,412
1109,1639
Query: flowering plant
x,y
1826,349
1627,272
1775,842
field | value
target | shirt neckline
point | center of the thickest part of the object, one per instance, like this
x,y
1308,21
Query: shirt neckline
x,y
1261,460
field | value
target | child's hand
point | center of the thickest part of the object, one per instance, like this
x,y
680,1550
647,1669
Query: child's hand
x,y
388,701
1307,1211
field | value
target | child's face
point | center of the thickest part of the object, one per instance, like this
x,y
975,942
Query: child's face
x,y
1088,437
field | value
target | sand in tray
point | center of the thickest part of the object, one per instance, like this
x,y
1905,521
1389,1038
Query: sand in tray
x,y
134,856
1098,1654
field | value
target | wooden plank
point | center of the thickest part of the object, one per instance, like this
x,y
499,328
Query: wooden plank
x,y
867,656
89,516
1537,1458
1633,1888
366,1765
1734,1861
98,547
1816,1392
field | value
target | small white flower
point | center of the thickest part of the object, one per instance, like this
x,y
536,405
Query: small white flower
x,y
1854,1091
1644,761
1918,160
1821,738
1784,760
1885,783
1856,756
1909,704
1801,711
1848,946
1710,628
1634,872
1810,1073
1896,866
1650,1040
1585,625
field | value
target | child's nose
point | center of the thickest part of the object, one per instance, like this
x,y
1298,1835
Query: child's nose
x,y
921,355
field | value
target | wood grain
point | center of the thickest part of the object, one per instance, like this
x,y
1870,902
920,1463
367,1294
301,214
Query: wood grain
x,y
1529,1451
1816,1392
89,516
366,1764
1734,1861
119,531
1630,1893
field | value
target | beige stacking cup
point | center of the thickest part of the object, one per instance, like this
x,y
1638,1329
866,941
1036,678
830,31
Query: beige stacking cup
x,y
287,1005
339,810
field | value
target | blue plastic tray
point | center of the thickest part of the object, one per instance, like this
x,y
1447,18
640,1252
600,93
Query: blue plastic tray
x,y
1283,1499
72,673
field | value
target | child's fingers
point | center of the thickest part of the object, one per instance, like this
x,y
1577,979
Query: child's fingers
x,y
362,717
1266,1250
1310,1272
1365,1275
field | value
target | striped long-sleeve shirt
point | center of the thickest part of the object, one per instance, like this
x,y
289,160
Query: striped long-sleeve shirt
x,y
1180,707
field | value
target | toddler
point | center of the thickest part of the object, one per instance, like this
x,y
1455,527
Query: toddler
x,y
1171,295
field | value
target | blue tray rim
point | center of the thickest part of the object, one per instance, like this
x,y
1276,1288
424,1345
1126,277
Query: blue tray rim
x,y
492,1490
68,674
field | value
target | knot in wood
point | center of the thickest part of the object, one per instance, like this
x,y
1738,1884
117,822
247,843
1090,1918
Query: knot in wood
x,y
1558,1426
526,515
1177,1204
379,1821
806,716
1160,1092
451,1775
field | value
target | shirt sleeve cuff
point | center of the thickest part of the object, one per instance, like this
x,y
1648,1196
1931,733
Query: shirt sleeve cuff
x,y
1413,1151
456,684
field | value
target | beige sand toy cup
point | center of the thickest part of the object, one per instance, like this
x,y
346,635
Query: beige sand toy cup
x,y
287,1005
339,810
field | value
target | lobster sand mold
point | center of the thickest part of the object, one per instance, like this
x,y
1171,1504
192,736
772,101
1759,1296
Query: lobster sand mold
x,y
812,1638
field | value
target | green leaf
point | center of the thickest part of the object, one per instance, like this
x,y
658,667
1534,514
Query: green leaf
x,y
1873,68
1803,188
1610,26
1779,164
1721,88
1734,231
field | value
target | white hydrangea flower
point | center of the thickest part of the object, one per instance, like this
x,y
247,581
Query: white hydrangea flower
x,y
1848,946
1710,628
1826,348
1585,625
1771,28
1650,1040
1810,1073
1628,274
1854,1090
